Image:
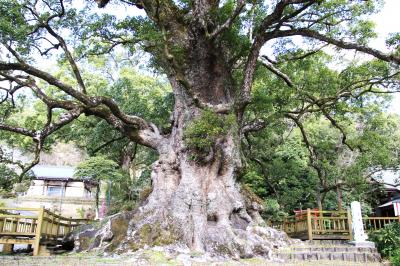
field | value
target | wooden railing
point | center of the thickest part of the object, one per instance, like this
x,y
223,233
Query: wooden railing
x,y
328,224
376,223
37,226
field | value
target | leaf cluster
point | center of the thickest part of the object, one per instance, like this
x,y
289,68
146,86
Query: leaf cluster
x,y
387,239
8,177
99,168
202,133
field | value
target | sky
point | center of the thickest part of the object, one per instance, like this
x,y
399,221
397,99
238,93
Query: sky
x,y
388,21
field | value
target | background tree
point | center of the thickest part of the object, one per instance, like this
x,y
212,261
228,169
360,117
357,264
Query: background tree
x,y
281,166
211,54
7,180
99,170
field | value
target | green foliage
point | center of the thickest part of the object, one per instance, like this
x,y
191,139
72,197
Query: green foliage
x,y
279,170
388,241
278,161
127,193
279,166
98,168
8,178
394,42
125,189
395,257
81,212
202,133
22,187
13,26
273,211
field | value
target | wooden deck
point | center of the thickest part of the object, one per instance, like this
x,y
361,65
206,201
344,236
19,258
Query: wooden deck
x,y
328,225
35,227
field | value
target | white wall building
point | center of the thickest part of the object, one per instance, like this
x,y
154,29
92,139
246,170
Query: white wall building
x,y
55,188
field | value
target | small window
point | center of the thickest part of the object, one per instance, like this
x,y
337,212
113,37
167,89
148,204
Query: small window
x,y
54,191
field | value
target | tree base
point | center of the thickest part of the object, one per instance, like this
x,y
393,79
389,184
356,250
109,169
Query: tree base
x,y
132,231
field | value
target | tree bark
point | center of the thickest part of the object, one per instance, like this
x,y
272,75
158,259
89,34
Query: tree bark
x,y
201,199
199,202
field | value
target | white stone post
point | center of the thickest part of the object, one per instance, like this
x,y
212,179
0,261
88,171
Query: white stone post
x,y
359,235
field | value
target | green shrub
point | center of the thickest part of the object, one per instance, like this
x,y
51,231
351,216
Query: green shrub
x,y
81,212
201,134
7,178
22,187
395,257
6,194
273,211
388,241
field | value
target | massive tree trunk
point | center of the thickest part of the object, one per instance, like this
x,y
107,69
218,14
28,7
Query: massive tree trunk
x,y
195,197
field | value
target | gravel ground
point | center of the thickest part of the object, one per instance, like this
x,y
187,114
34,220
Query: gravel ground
x,y
147,260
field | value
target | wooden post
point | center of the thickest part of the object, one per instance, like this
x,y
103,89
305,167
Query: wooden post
x,y
2,223
69,226
285,225
52,225
58,228
349,224
45,225
32,226
8,248
14,224
36,245
309,225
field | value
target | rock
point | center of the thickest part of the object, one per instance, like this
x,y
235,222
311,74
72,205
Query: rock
x,y
109,233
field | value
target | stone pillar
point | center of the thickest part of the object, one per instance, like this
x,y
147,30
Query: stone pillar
x,y
359,235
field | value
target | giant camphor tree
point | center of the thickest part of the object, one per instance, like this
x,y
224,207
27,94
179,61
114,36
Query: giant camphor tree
x,y
211,53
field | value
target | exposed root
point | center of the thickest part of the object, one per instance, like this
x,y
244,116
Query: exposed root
x,y
128,232
200,207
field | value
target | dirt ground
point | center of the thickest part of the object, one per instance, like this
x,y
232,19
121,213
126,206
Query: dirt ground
x,y
147,260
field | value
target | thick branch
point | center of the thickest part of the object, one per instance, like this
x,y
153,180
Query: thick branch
x,y
86,100
18,130
46,77
306,141
277,72
259,41
254,126
133,127
45,24
339,43
228,23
